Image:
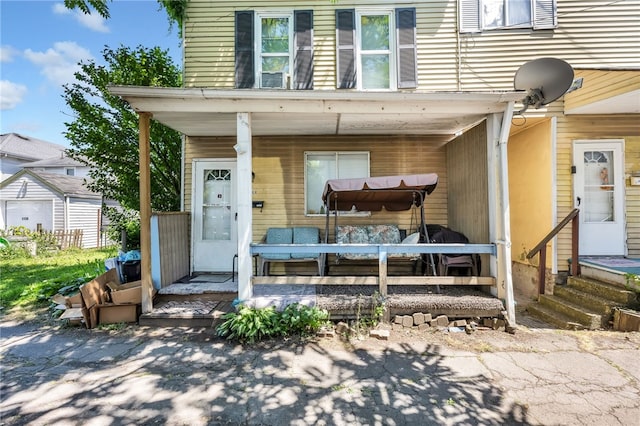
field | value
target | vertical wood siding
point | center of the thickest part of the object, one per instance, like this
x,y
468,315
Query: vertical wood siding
x,y
173,247
590,34
278,163
468,184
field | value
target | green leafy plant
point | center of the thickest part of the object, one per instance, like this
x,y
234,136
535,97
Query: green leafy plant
x,y
253,324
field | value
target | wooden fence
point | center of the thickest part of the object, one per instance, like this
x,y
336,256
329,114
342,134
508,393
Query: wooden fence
x,y
67,239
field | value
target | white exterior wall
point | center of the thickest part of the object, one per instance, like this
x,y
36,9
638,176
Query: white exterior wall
x,y
26,188
85,214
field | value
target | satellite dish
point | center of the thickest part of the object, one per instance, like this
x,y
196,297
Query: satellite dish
x,y
544,79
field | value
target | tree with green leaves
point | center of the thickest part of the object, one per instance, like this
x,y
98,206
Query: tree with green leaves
x,y
105,134
175,9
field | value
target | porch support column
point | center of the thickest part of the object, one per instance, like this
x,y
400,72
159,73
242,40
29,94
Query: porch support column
x,y
144,119
505,280
245,214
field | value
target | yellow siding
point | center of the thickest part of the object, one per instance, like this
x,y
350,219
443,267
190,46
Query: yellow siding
x,y
530,183
590,34
278,163
595,127
598,85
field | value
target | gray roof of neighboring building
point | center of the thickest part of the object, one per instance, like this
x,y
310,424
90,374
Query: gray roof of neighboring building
x,y
28,148
71,186
59,161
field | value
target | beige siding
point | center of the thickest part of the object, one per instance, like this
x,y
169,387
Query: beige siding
x,y
594,127
590,34
278,163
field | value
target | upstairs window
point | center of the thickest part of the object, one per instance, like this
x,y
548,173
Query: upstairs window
x,y
70,171
481,15
374,53
376,49
274,50
274,54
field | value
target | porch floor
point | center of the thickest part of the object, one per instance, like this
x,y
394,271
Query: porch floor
x,y
194,295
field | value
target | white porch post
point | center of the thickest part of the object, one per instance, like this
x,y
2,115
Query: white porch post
x,y
245,219
505,281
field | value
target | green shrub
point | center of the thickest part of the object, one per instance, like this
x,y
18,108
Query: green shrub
x,y
253,324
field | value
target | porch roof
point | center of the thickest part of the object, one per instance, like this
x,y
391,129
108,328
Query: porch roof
x,y
212,112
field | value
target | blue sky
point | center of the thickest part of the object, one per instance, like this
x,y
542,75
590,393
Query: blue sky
x,y
41,43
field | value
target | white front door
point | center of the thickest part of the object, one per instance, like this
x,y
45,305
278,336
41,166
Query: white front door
x,y
214,227
599,194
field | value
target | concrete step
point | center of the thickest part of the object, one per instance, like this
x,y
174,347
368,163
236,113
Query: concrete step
x,y
186,313
548,315
593,303
579,314
607,291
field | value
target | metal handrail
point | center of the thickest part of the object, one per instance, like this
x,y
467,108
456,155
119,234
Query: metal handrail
x,y
541,247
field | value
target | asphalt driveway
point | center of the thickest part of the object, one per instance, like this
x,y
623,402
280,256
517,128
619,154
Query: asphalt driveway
x,y
137,375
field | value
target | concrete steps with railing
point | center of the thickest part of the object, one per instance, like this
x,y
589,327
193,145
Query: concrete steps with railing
x,y
583,303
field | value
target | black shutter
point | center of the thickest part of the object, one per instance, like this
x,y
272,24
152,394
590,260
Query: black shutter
x,y
245,74
406,40
346,54
303,39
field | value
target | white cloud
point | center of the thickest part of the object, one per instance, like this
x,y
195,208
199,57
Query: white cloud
x,y
11,94
93,21
7,53
60,62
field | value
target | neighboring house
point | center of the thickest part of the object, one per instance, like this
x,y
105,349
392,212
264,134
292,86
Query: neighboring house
x,y
281,96
51,202
17,150
62,164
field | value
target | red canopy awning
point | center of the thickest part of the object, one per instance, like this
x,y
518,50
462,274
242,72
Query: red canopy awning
x,y
394,193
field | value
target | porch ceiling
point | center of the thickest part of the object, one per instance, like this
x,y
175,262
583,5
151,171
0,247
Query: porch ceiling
x,y
209,112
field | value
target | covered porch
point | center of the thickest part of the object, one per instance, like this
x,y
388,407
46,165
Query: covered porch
x,y
245,115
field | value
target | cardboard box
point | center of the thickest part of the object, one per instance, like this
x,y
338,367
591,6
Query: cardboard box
x,y
114,314
126,293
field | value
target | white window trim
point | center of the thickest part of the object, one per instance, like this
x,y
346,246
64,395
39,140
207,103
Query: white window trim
x,y
529,24
393,79
257,48
336,153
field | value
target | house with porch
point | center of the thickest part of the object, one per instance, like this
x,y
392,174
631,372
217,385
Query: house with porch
x,y
280,97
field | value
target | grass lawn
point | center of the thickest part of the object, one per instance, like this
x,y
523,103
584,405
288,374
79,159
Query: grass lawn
x,y
28,282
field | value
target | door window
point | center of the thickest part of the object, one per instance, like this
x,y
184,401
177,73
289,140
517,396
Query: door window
x,y
599,186
216,205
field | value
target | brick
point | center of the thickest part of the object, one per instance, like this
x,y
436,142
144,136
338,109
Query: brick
x,y
458,323
498,324
418,318
487,322
397,327
407,321
427,318
397,319
442,321
424,326
380,334
342,328
433,323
